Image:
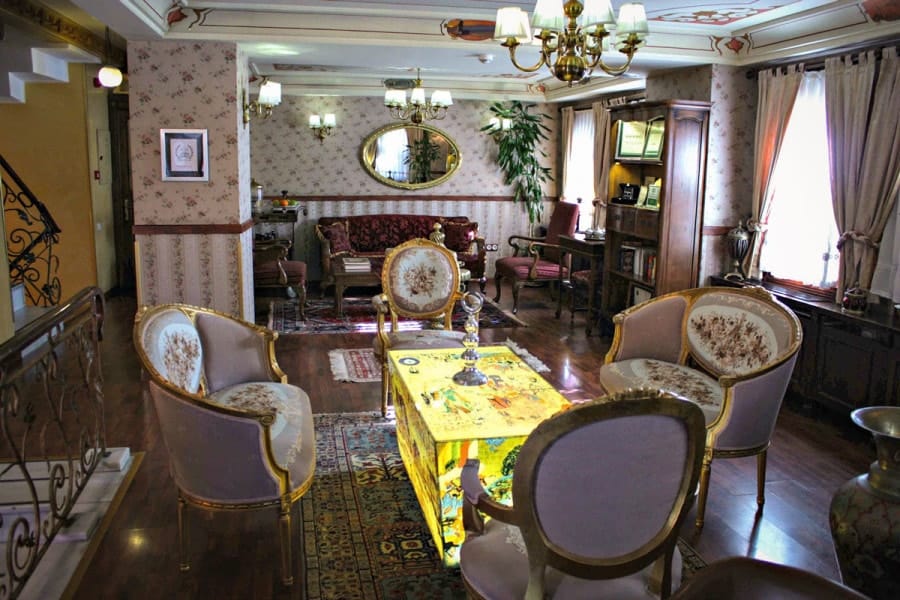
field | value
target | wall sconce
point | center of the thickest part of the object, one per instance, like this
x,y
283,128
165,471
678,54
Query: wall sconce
x,y
322,126
496,125
109,76
269,97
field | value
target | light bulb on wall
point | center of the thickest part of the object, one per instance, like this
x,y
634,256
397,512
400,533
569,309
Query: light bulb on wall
x,y
322,126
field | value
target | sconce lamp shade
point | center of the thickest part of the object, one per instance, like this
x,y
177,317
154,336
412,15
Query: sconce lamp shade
x,y
329,120
314,122
109,76
269,93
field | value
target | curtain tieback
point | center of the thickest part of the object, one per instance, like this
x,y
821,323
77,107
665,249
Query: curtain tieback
x,y
855,236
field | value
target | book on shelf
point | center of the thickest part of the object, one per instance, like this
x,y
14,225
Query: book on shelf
x,y
626,258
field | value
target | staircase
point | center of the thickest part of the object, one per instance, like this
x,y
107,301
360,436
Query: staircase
x,y
28,58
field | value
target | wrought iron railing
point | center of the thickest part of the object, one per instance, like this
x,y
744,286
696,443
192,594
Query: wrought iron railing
x,y
31,234
52,428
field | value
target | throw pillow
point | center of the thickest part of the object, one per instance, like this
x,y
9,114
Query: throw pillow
x,y
459,236
337,235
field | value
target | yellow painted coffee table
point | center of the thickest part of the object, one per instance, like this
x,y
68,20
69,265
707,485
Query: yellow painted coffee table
x,y
441,424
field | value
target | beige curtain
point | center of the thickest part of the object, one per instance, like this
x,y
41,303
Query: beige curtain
x,y
601,162
864,150
777,92
567,121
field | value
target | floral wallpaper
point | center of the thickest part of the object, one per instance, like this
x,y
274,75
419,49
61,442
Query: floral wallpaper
x,y
191,85
285,155
729,163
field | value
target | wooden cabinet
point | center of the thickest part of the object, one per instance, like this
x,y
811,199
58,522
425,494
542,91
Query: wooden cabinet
x,y
656,250
846,361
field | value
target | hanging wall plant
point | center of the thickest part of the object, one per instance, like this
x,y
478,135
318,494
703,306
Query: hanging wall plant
x,y
518,154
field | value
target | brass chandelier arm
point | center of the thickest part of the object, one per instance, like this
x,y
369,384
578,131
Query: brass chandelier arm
x,y
512,44
597,62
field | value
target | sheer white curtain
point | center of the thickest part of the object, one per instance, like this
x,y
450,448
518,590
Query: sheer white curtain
x,y
578,174
886,281
390,155
801,235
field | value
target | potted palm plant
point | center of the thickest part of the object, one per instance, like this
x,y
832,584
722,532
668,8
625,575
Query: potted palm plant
x,y
518,154
420,154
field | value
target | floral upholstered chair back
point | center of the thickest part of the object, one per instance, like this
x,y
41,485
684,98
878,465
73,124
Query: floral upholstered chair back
x,y
421,279
172,346
735,333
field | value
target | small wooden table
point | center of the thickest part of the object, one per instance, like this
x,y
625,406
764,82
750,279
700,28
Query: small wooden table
x,y
346,279
440,425
593,251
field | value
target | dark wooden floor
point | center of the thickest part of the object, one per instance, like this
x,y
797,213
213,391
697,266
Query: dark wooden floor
x,y
236,555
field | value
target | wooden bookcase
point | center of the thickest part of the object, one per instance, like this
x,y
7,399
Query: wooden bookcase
x,y
671,231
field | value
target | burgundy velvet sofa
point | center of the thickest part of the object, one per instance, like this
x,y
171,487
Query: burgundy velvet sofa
x,y
371,235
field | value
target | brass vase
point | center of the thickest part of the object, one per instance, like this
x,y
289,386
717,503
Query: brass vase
x,y
865,511
738,240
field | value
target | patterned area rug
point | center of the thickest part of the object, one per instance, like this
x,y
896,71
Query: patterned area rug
x,y
359,317
359,365
366,537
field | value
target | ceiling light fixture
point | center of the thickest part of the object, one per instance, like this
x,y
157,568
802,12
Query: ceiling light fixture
x,y
576,32
109,76
417,109
322,126
269,97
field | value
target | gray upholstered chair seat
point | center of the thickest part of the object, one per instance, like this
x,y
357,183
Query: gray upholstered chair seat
x,y
292,432
417,340
496,565
696,386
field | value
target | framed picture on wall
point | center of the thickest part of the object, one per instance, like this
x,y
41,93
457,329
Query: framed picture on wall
x,y
184,154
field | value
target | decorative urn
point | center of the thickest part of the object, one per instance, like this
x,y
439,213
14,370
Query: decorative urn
x,y
738,240
865,511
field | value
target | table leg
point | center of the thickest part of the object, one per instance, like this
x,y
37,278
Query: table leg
x,y
339,299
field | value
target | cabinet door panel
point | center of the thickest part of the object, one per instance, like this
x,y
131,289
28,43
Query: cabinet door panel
x,y
851,370
646,224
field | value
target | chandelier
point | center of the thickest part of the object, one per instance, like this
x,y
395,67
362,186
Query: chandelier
x,y
576,32
417,109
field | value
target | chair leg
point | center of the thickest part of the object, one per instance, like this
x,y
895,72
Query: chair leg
x,y
497,279
515,291
761,479
301,300
184,560
284,527
705,472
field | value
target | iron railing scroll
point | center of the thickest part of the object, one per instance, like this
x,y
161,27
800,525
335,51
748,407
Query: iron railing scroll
x,y
52,428
31,234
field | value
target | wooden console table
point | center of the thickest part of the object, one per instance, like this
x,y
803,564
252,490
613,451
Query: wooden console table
x,y
846,361
577,245
275,219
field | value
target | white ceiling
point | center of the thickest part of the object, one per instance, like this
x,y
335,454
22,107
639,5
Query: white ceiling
x,y
349,47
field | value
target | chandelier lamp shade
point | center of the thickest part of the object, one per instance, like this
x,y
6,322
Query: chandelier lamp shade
x,y
322,126
417,109
109,75
573,35
269,97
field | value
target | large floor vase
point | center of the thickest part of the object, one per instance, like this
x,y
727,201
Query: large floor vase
x,y
865,511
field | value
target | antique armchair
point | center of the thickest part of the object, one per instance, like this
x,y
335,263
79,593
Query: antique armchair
x,y
599,494
238,435
730,350
536,260
272,269
742,578
420,280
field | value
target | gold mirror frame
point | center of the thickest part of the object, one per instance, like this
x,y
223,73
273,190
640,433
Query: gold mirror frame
x,y
368,148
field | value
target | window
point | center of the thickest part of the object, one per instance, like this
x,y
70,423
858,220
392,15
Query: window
x,y
579,176
800,243
390,155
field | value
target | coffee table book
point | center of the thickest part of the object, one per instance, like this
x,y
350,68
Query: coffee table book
x,y
356,264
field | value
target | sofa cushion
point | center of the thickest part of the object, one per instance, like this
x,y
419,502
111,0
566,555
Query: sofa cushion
x,y
338,235
459,236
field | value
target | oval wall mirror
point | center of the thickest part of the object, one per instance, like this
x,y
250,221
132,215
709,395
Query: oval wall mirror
x,y
410,156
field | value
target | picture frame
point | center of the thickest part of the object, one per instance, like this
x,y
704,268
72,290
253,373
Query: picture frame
x,y
630,139
638,294
184,154
652,200
653,142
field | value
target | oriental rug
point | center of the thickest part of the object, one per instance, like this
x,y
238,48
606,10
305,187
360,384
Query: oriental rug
x,y
359,365
359,317
365,536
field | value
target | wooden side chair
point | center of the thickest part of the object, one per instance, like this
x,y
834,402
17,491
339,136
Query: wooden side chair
x,y
273,269
536,260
